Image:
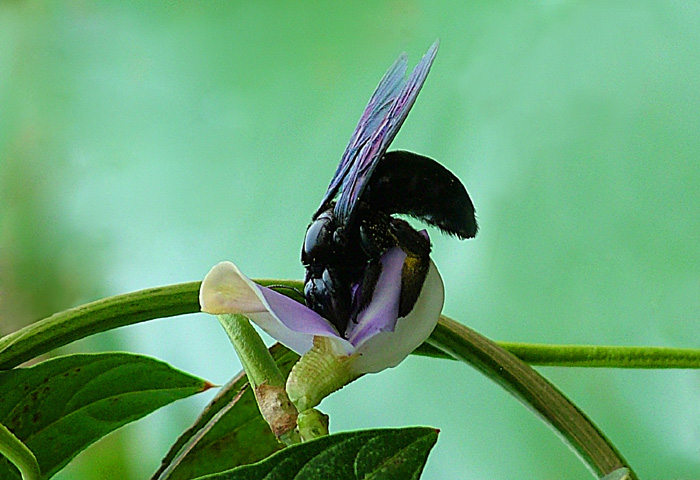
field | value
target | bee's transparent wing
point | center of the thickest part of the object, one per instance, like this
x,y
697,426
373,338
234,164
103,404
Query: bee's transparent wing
x,y
377,108
379,124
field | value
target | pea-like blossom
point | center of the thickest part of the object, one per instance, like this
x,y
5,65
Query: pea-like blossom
x,y
375,340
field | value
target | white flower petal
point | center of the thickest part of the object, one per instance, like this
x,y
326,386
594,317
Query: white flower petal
x,y
387,349
225,290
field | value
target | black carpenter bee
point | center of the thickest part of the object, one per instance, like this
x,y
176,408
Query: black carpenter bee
x,y
348,236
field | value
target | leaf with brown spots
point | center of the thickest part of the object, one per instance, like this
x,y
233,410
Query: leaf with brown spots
x,y
59,407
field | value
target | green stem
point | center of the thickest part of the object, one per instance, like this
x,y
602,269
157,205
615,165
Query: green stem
x,y
257,362
18,453
533,390
604,356
130,308
264,376
69,325
450,340
590,356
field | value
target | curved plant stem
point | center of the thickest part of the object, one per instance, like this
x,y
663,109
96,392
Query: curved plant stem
x,y
130,308
603,356
18,453
69,325
533,390
590,356
153,303
106,314
502,362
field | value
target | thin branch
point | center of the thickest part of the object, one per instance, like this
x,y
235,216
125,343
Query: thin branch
x,y
130,308
533,390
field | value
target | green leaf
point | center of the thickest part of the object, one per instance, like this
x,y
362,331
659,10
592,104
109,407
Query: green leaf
x,y
59,407
230,432
386,454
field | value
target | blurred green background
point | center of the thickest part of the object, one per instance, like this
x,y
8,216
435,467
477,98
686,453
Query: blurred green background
x,y
142,142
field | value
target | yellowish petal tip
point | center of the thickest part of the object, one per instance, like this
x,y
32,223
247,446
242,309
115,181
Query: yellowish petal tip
x,y
226,290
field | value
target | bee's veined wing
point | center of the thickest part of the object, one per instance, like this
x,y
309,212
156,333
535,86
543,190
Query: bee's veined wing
x,y
379,124
377,108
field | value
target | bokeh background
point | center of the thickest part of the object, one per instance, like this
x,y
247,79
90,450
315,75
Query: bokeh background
x,y
142,142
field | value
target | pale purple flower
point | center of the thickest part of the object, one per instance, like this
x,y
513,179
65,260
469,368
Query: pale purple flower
x,y
377,340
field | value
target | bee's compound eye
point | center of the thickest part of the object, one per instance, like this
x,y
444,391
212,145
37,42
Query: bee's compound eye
x,y
317,243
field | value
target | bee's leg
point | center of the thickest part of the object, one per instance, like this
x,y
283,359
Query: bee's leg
x,y
376,236
381,232
363,296
375,240
415,269
416,265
